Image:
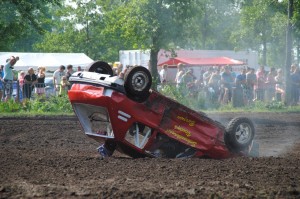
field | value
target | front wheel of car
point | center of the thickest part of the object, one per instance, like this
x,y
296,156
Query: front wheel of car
x,y
137,83
100,67
239,134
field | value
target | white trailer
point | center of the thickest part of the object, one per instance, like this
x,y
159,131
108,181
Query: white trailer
x,y
134,57
142,57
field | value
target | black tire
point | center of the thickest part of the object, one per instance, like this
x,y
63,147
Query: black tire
x,y
100,67
137,83
239,134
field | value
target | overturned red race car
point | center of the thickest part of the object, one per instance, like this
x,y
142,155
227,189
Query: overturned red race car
x,y
126,115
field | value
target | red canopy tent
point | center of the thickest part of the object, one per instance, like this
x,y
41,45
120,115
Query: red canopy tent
x,y
212,61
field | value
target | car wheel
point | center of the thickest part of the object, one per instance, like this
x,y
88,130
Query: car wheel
x,y
239,134
137,83
100,67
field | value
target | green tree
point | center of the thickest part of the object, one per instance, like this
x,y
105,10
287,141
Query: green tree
x,y
213,24
296,22
154,25
263,29
80,27
19,18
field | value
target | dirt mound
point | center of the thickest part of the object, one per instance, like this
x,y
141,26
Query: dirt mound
x,y
51,158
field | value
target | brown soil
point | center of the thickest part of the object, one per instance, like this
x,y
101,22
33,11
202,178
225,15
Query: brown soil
x,y
52,158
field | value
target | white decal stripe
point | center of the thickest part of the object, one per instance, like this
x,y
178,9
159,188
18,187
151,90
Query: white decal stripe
x,y
124,114
122,118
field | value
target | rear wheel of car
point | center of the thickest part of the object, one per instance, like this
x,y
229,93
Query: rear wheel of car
x,y
239,134
100,67
137,83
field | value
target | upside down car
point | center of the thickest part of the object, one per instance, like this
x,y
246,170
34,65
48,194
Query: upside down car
x,y
126,115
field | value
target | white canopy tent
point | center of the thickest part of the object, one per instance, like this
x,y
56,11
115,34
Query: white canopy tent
x,y
50,60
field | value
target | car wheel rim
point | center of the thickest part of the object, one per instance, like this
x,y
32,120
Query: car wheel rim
x,y
243,133
139,81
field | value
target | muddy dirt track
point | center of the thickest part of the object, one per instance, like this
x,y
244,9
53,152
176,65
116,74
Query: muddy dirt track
x,y
52,158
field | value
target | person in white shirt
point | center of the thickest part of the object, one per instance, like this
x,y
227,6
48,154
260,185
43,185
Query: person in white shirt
x,y
163,74
57,77
179,74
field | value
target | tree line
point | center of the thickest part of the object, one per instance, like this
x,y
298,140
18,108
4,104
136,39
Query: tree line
x,y
100,28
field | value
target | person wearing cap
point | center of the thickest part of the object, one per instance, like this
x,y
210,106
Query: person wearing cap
x,y
8,77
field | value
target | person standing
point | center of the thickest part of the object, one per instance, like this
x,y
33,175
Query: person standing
x,y
69,73
1,82
64,86
163,74
239,94
213,84
57,77
295,84
251,82
270,85
240,80
260,85
280,85
189,80
179,74
8,77
30,80
227,81
21,79
40,86
206,75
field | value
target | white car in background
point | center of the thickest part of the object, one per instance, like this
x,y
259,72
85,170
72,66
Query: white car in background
x,y
49,86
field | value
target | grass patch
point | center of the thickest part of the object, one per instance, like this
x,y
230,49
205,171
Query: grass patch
x,y
38,106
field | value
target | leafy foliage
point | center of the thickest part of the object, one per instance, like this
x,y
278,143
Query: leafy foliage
x,y
261,20
101,28
40,105
19,18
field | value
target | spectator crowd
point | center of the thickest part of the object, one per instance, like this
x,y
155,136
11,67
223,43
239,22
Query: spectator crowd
x,y
21,85
219,84
223,85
